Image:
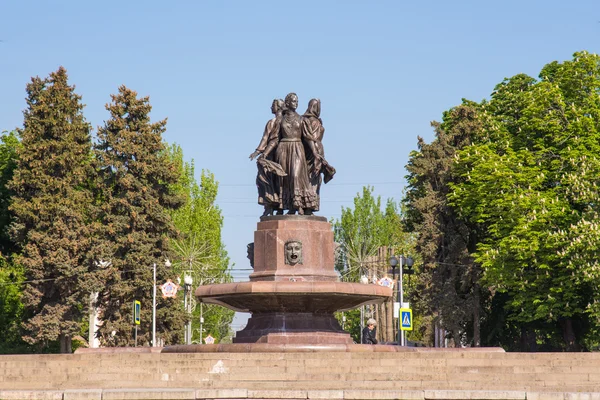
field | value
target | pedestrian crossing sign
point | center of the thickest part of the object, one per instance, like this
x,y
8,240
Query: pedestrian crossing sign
x,y
406,318
136,311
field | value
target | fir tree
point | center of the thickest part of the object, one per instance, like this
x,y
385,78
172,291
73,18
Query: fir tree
x,y
135,180
50,206
449,282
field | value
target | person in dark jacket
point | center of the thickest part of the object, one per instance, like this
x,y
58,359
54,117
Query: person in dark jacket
x,y
370,332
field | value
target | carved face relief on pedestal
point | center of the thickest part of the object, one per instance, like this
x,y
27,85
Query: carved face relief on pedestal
x,y
293,252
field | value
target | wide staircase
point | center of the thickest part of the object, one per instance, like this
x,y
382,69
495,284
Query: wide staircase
x,y
433,374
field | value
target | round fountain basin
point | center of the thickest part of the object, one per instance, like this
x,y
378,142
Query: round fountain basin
x,y
292,296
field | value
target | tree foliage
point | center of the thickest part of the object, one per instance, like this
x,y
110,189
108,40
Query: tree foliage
x,y
11,308
8,161
200,252
51,209
449,279
70,206
363,230
532,181
361,233
11,275
518,193
133,222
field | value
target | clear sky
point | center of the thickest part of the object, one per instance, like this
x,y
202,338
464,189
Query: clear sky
x,y
382,69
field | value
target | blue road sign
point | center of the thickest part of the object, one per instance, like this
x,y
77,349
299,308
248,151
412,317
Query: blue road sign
x,y
406,318
136,312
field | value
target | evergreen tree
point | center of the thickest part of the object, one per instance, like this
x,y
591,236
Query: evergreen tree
x,y
50,206
133,225
449,279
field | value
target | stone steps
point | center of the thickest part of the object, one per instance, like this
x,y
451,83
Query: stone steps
x,y
110,375
323,384
297,371
199,394
390,373
306,357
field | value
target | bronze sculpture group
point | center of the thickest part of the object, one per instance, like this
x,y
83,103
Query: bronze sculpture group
x,y
291,159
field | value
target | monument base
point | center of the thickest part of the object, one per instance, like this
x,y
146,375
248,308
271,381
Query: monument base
x,y
294,290
314,235
293,328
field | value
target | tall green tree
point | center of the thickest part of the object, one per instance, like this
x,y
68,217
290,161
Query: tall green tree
x,y
8,161
449,279
133,228
200,251
361,232
50,206
11,308
532,182
11,275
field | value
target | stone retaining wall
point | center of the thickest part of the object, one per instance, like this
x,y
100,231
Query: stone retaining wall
x,y
460,374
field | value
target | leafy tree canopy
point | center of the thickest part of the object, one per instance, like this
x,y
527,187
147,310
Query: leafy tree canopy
x,y
200,252
531,181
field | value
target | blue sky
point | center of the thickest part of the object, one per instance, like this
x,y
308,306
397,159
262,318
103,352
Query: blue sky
x,y
382,69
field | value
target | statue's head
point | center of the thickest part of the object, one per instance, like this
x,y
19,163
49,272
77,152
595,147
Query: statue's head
x,y
293,252
291,101
314,108
277,106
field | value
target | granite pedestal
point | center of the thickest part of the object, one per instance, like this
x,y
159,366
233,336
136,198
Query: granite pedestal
x,y
292,298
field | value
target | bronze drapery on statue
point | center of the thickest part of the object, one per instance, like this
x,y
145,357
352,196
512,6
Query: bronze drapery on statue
x,y
312,133
267,181
297,195
291,159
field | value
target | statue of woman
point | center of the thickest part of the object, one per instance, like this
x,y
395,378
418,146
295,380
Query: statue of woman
x,y
266,178
312,134
296,192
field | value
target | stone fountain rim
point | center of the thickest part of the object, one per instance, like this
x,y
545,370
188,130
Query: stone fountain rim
x,y
293,288
235,295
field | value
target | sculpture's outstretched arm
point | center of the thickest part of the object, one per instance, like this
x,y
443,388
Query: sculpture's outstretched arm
x,y
265,139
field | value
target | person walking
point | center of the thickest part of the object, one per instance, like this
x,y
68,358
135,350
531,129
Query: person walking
x,y
370,332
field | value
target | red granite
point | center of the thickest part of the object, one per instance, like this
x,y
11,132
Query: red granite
x,y
292,305
316,237
265,296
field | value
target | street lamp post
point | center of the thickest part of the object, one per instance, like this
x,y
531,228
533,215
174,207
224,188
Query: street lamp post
x,y
187,282
201,324
168,265
201,316
154,306
396,261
